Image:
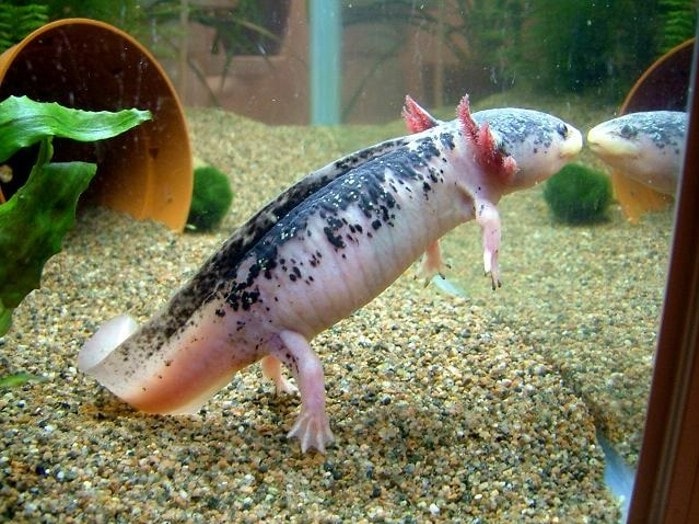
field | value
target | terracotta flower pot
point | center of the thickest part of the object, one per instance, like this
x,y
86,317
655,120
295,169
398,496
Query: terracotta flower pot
x,y
91,65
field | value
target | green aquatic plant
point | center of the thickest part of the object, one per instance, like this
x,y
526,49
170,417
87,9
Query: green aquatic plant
x,y
34,221
211,199
678,20
17,21
578,194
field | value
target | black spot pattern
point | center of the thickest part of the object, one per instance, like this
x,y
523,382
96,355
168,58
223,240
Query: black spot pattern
x,y
519,126
357,179
365,188
664,128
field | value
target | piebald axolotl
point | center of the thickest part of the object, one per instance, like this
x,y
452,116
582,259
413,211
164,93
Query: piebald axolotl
x,y
647,146
322,249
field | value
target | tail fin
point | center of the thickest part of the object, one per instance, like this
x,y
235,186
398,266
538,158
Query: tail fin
x,y
104,341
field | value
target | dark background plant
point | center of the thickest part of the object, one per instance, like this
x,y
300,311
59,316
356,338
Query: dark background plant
x,y
573,46
580,45
553,46
679,22
392,19
246,27
18,19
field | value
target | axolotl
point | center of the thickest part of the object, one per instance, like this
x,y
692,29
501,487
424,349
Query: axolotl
x,y
647,146
319,251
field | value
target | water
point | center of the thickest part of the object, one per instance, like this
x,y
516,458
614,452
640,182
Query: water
x,y
451,401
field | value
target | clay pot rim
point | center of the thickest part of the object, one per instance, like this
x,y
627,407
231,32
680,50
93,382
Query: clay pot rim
x,y
639,85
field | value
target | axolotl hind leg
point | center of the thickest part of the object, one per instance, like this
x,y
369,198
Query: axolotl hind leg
x,y
312,427
272,369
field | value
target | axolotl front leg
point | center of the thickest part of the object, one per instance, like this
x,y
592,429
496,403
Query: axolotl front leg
x,y
488,219
539,143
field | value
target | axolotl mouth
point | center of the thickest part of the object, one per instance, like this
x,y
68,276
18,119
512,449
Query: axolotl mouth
x,y
573,144
605,144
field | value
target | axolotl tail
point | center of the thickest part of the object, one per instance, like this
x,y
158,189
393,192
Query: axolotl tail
x,y
161,383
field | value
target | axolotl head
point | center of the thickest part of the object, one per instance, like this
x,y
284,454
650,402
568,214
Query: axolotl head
x,y
646,146
540,143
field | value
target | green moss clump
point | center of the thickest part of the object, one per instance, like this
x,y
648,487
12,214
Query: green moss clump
x,y
211,198
578,194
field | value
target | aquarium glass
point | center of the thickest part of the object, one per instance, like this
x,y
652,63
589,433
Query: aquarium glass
x,y
450,398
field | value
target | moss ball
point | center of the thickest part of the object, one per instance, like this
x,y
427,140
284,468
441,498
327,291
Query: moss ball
x,y
578,194
211,199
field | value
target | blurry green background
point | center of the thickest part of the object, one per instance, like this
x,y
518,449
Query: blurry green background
x,y
552,46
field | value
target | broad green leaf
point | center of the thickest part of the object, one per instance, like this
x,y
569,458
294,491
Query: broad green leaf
x,y
33,223
24,122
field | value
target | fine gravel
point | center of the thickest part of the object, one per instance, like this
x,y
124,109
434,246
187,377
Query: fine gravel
x,y
474,408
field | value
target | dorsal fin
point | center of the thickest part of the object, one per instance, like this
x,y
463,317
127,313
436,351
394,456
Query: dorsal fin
x,y
416,118
488,155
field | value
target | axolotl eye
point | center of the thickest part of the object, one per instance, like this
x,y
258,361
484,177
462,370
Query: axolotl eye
x,y
628,131
562,130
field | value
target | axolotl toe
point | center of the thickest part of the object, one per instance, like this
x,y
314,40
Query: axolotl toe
x,y
322,249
